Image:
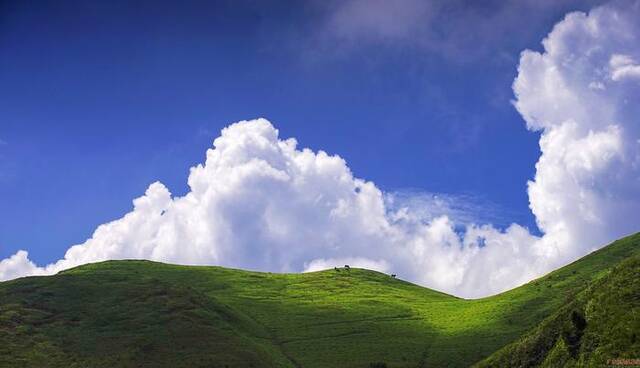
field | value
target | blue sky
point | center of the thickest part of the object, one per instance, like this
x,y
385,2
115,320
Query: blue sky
x,y
100,99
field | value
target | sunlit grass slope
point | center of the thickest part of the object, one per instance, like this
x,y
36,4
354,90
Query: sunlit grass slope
x,y
602,323
147,314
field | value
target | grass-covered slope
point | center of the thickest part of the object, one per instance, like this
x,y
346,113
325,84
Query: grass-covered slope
x,y
602,323
147,314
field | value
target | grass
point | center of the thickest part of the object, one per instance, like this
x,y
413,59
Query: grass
x,y
600,324
147,314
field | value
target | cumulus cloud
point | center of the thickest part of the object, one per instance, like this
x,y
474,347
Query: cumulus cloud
x,y
261,202
18,265
586,187
623,67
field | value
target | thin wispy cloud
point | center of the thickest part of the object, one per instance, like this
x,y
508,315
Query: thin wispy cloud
x,y
459,30
461,209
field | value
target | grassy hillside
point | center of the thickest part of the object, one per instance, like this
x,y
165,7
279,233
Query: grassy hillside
x,y
147,314
601,323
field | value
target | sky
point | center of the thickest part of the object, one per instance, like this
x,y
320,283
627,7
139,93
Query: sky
x,y
453,158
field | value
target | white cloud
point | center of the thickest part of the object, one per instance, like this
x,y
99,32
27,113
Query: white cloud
x,y
623,67
18,265
586,190
259,202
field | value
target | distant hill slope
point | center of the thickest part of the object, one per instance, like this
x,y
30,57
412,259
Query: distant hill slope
x,y
147,314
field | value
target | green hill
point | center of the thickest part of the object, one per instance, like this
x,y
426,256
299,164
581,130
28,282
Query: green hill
x,y
600,324
147,314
